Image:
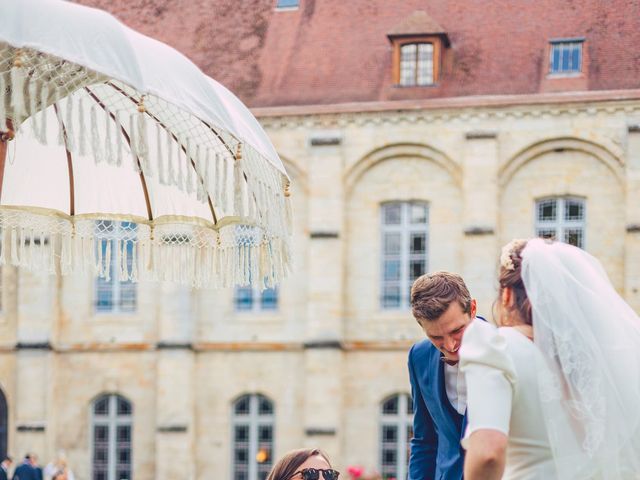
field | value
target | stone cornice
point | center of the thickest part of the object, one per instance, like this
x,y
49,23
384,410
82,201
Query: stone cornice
x,y
448,109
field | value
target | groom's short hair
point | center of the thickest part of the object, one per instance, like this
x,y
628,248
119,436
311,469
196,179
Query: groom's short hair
x,y
433,293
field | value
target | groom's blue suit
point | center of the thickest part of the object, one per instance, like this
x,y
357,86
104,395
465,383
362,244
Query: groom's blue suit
x,y
436,453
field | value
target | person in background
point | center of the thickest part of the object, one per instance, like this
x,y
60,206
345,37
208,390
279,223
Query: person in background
x,y
4,468
25,470
57,465
303,464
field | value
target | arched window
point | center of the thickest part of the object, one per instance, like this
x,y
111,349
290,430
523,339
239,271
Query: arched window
x,y
405,242
562,218
253,421
416,64
396,430
111,422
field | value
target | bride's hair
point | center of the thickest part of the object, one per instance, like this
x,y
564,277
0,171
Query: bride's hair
x,y
511,277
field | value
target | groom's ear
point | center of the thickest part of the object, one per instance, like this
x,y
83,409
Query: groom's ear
x,y
473,308
506,297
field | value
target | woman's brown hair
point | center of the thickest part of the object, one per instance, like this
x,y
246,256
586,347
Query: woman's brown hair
x,y
289,464
511,277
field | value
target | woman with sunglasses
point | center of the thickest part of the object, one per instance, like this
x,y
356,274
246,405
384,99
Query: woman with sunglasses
x,y
304,464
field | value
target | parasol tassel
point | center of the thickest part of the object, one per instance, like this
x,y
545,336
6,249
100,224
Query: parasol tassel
x,y
44,101
119,139
189,184
3,109
133,143
14,248
59,118
95,136
141,139
134,262
82,140
33,107
222,183
107,262
158,152
108,146
17,90
170,169
198,162
238,182
180,179
69,126
99,265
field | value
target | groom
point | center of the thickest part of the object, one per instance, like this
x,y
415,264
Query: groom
x,y
442,306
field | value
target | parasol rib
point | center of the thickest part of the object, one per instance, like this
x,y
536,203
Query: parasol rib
x,y
182,147
143,180
72,199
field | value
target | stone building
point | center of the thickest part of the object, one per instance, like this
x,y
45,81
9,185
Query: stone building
x,y
419,136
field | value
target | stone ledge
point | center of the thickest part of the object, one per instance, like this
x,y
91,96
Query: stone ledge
x,y
31,427
174,346
481,135
633,228
323,344
33,346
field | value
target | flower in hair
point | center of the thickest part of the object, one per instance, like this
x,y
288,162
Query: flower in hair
x,y
506,259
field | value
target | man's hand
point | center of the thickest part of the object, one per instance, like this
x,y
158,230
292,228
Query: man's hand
x,y
486,455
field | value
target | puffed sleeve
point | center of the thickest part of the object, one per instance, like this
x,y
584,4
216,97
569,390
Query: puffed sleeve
x,y
490,377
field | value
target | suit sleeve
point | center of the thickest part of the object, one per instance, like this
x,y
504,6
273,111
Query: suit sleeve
x,y
424,444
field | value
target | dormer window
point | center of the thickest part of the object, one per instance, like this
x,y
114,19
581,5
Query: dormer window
x,y
287,4
566,57
417,42
416,64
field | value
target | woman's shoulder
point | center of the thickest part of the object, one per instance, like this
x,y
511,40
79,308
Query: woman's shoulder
x,y
484,344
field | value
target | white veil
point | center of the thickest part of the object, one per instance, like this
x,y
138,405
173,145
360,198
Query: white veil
x,y
590,382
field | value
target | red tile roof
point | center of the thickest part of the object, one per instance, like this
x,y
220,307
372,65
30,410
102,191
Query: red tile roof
x,y
336,51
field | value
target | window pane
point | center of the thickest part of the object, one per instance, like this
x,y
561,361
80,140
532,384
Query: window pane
x,y
287,3
242,406
573,236
265,407
418,213
269,299
101,406
418,243
409,405
389,434
392,213
124,407
123,434
244,298
425,64
391,297
574,210
565,65
392,270
408,64
390,407
547,211
417,268
392,243
546,233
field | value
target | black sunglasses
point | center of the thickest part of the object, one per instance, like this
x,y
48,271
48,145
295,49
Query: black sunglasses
x,y
314,474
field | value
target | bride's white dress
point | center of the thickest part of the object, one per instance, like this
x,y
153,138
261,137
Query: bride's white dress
x,y
503,393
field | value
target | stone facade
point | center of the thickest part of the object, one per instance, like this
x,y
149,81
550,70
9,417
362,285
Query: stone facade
x,y
329,355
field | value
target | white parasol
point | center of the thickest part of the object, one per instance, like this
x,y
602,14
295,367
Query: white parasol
x,y
116,146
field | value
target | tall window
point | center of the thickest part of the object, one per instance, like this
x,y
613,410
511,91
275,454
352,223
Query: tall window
x,y
116,295
396,432
111,435
405,238
253,420
561,218
416,64
566,57
251,299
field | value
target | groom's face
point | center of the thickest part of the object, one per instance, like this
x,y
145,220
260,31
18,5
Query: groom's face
x,y
446,332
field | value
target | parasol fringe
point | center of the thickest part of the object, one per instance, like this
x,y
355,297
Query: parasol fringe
x,y
57,102
119,138
189,184
141,142
33,106
108,146
107,262
180,179
158,153
3,109
69,141
199,187
95,136
171,180
82,138
135,154
17,92
44,100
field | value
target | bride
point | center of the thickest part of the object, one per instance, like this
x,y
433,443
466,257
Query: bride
x,y
554,392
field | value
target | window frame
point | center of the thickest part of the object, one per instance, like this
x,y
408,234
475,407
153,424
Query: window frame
x,y
112,421
403,422
560,42
254,421
399,41
285,8
117,286
406,229
560,225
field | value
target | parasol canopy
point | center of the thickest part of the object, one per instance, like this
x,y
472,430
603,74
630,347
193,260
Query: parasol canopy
x,y
118,152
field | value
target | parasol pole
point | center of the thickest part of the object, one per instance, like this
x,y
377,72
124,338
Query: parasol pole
x,y
5,138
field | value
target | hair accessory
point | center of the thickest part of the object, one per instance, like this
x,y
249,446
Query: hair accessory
x,y
506,261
